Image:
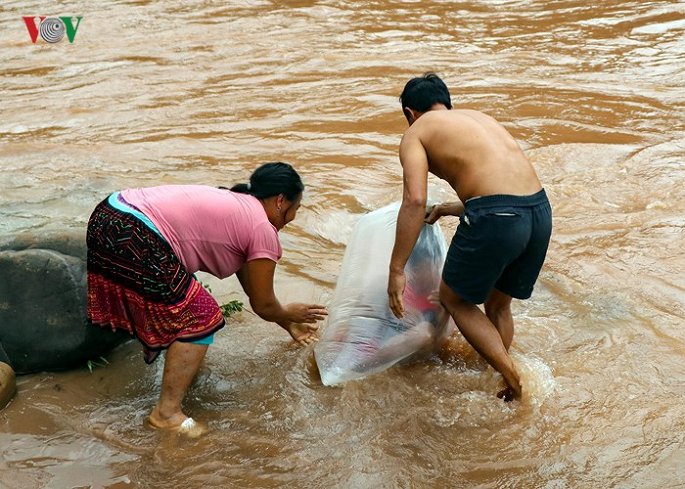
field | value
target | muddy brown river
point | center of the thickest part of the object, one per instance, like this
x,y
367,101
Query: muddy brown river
x,y
202,92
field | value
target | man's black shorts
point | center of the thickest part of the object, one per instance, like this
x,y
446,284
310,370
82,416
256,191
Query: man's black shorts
x,y
500,243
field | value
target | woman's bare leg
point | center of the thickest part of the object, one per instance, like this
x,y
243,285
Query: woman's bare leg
x,y
181,364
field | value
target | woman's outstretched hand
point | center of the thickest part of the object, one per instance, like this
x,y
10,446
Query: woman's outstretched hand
x,y
304,334
305,313
302,322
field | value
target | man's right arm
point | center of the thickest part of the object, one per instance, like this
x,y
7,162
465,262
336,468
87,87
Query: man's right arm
x,y
410,216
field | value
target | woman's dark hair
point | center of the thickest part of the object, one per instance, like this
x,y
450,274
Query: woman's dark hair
x,y
272,179
423,92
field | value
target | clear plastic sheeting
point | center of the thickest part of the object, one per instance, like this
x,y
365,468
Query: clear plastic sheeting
x,y
362,336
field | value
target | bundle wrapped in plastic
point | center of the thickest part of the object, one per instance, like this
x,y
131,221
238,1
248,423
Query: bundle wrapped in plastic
x,y
362,336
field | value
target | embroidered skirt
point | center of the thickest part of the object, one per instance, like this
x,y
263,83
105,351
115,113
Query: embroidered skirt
x,y
136,283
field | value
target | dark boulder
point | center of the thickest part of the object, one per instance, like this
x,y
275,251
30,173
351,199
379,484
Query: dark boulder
x,y
43,305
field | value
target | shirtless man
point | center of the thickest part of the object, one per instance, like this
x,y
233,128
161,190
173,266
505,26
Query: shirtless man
x,y
505,220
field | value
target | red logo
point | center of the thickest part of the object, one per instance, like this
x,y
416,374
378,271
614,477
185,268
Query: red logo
x,y
52,29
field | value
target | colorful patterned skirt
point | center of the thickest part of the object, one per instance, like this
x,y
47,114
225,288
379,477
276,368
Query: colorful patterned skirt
x,y
136,283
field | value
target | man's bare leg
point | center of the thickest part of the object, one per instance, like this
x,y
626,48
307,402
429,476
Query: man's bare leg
x,y
498,310
484,337
180,367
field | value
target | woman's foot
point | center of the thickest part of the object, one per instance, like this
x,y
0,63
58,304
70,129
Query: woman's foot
x,y
166,422
180,423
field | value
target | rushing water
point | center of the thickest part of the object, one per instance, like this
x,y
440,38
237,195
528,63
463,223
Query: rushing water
x,y
201,92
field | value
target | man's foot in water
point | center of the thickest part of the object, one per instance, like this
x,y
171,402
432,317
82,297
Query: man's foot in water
x,y
509,394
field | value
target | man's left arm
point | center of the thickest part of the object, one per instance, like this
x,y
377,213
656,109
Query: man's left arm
x,y
410,217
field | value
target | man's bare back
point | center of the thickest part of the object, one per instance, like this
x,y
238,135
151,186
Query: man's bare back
x,y
472,152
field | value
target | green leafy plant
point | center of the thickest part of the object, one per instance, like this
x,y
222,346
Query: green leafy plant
x,y
91,364
231,308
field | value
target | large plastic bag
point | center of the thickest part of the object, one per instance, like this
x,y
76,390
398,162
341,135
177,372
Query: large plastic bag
x,y
362,336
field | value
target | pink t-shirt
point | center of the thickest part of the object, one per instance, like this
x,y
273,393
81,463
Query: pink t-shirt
x,y
210,229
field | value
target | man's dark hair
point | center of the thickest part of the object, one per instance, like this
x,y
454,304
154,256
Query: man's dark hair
x,y
422,92
272,179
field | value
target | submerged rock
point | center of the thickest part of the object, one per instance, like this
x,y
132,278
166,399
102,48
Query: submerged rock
x,y
8,385
43,305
